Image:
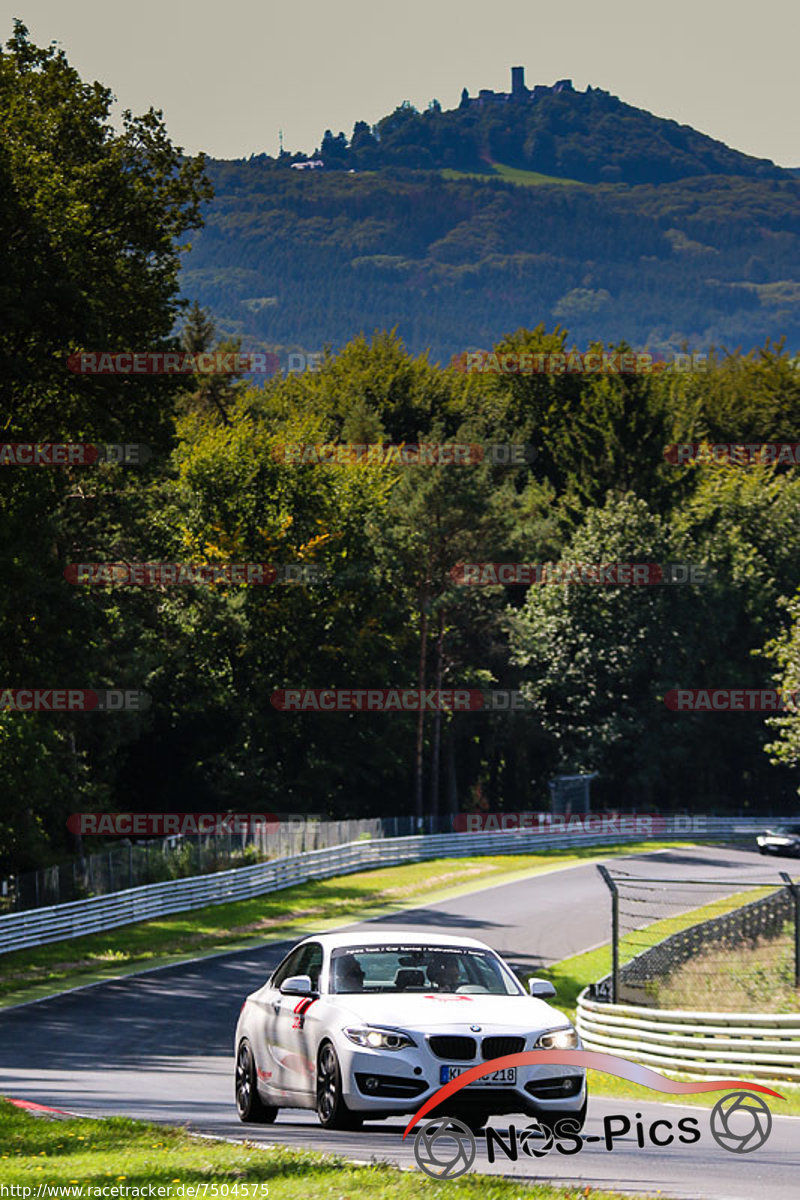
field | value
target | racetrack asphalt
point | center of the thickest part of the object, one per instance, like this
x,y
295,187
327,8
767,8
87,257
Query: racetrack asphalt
x,y
158,1046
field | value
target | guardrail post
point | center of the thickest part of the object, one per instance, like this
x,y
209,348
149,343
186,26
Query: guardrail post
x,y
612,887
795,892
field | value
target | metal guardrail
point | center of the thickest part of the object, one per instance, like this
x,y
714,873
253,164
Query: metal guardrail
x,y
743,1045
39,926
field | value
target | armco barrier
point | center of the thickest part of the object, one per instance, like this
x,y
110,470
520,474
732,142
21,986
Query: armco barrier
x,y
744,1045
41,925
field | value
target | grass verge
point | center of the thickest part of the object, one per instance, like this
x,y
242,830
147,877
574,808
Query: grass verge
x,y
81,1155
290,913
757,978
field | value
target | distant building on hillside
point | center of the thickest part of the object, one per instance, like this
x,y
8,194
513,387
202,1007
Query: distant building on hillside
x,y
519,92
311,164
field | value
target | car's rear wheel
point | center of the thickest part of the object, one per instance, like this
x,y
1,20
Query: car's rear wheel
x,y
332,1111
249,1105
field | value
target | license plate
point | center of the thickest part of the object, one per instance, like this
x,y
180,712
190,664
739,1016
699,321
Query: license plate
x,y
497,1079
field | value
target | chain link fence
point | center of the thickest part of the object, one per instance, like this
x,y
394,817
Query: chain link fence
x,y
697,944
131,864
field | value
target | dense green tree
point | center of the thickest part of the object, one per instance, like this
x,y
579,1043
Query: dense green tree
x,y
90,223
784,651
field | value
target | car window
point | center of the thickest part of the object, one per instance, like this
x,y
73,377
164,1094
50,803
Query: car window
x,y
288,967
303,960
418,968
310,963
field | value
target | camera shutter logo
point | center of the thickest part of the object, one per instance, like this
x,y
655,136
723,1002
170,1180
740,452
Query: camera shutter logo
x,y
444,1148
740,1122
536,1140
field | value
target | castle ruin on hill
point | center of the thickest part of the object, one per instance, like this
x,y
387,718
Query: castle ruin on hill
x,y
519,92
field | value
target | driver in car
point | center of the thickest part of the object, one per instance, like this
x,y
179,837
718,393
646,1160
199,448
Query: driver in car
x,y
443,972
349,975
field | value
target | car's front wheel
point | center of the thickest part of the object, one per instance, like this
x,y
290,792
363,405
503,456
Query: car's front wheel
x,y
578,1120
332,1111
249,1105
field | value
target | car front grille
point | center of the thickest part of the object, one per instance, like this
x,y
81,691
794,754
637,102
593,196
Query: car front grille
x,y
496,1047
450,1046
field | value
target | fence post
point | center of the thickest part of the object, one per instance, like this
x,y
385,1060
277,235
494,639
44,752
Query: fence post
x,y
612,887
795,892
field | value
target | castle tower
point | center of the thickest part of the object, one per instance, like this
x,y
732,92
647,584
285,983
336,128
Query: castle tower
x,y
518,89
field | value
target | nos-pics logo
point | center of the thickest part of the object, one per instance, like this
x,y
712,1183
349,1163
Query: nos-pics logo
x,y
445,1147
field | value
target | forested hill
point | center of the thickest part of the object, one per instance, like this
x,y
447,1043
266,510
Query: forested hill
x,y
538,205
590,136
294,260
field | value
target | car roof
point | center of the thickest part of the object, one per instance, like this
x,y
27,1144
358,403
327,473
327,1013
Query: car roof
x,y
399,937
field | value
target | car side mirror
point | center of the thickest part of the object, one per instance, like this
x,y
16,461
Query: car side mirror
x,y
297,985
542,989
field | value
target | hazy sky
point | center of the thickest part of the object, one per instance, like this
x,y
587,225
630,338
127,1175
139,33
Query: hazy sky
x,y
229,75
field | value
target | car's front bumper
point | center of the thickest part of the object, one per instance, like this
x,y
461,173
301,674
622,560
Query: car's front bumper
x,y
400,1081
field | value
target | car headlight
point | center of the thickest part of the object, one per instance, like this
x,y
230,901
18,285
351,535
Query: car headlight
x,y
379,1039
558,1039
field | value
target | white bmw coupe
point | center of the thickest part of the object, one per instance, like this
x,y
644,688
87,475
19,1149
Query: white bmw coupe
x,y
369,1025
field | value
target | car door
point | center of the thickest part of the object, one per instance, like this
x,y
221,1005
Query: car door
x,y
271,1068
293,1056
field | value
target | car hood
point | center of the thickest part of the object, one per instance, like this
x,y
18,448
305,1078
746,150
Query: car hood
x,y
426,1011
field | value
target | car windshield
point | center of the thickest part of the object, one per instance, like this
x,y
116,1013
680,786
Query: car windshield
x,y
418,968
